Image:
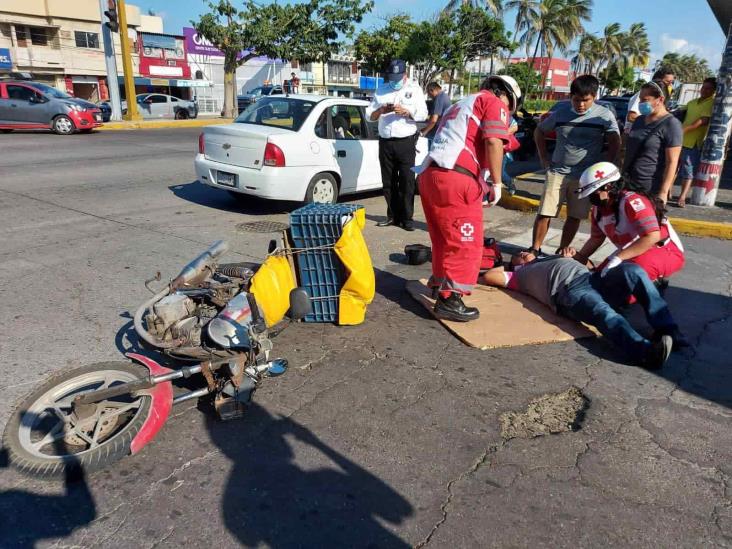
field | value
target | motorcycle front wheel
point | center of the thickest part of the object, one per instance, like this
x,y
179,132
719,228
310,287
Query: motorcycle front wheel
x,y
46,438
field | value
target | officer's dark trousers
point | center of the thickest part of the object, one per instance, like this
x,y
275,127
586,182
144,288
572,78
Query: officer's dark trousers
x,y
397,158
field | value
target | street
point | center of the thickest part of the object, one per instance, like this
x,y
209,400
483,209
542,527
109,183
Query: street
x,y
385,434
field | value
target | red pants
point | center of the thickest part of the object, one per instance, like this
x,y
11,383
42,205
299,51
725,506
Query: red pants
x,y
452,204
660,262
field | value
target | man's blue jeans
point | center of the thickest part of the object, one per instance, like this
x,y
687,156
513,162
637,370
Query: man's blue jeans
x,y
580,301
628,279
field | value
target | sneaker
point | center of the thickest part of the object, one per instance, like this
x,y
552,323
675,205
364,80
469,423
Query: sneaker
x,y
453,308
386,223
680,340
658,353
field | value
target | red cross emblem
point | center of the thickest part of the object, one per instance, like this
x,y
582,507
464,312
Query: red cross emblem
x,y
599,174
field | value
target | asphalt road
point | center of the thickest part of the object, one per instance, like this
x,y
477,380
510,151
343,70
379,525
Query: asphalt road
x,y
381,435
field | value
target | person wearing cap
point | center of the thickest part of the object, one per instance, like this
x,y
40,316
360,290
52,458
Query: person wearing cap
x,y
398,105
631,221
468,144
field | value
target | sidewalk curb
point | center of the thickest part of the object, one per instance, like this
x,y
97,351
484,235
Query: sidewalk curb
x,y
690,227
157,124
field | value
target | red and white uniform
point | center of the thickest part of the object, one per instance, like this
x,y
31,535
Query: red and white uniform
x,y
452,200
638,218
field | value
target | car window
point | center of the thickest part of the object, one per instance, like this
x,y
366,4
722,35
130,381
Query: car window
x,y
21,93
50,91
321,126
173,99
347,122
158,99
281,112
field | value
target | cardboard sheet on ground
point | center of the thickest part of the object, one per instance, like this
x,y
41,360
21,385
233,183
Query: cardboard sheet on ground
x,y
507,319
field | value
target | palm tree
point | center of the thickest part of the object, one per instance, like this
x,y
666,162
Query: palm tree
x,y
555,25
526,11
493,6
611,39
588,52
636,46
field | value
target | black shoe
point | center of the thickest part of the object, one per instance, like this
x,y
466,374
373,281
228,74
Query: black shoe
x,y
386,223
658,354
453,308
408,225
680,340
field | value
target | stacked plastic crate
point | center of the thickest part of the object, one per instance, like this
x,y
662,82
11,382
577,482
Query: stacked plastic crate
x,y
315,228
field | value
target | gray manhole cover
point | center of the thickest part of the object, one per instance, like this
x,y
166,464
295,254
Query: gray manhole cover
x,y
262,227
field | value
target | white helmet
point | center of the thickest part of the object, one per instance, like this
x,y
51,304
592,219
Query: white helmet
x,y
511,86
597,176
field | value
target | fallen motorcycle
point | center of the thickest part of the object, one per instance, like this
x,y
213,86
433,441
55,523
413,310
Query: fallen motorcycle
x,y
215,320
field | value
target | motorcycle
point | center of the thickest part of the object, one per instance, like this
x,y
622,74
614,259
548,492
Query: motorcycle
x,y
527,123
215,321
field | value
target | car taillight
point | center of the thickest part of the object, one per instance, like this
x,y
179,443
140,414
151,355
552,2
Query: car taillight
x,y
201,145
273,156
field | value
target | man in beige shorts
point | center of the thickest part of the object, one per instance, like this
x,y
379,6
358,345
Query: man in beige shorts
x,y
581,126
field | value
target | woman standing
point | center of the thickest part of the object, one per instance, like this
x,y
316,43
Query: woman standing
x,y
654,144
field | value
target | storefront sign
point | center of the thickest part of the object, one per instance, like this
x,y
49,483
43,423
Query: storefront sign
x,y
158,70
199,45
5,61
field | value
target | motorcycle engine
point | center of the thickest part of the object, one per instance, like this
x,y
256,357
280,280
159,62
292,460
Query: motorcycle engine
x,y
175,317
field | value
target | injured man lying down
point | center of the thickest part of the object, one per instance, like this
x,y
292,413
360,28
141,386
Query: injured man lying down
x,y
572,290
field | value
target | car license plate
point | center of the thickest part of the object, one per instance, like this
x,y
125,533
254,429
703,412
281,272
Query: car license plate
x,y
224,178
98,117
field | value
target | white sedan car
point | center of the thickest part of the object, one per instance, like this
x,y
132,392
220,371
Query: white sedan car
x,y
298,147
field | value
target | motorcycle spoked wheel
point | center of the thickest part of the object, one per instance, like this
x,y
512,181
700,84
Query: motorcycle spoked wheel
x,y
44,439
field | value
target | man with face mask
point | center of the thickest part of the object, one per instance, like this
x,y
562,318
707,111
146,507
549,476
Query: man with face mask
x,y
398,105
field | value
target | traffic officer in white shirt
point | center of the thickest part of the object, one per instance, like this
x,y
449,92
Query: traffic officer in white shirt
x,y
398,105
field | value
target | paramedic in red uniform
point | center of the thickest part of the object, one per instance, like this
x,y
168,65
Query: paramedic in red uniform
x,y
631,222
467,146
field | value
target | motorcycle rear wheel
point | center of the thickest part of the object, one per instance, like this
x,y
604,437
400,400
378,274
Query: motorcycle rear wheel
x,y
44,438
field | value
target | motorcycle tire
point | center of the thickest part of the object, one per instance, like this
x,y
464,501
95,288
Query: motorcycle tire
x,y
79,446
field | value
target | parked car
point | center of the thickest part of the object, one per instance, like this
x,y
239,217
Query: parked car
x,y
106,108
252,96
28,105
159,105
298,147
621,106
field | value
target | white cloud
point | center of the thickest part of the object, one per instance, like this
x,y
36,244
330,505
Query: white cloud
x,y
683,46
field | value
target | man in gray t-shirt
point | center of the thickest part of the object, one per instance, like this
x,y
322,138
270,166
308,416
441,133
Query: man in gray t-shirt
x,y
440,103
570,289
581,127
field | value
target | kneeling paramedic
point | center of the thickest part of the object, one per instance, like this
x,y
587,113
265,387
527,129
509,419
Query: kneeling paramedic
x,y
632,221
467,146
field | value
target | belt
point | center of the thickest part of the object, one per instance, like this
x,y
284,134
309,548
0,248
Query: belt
x,y
397,138
458,169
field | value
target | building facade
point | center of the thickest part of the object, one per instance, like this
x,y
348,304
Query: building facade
x,y
59,42
555,74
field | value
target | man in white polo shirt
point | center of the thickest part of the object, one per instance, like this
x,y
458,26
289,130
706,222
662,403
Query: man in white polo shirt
x,y
398,105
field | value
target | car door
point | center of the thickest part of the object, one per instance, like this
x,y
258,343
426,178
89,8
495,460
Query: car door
x,y
159,105
22,107
349,135
4,105
371,170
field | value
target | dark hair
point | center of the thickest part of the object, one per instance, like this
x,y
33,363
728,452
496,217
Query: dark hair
x,y
585,84
663,71
433,86
711,80
656,88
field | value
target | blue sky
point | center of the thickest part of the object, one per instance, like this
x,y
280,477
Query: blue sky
x,y
691,29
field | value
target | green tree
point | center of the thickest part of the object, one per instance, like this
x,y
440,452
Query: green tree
x,y
635,45
451,39
526,75
687,67
307,31
493,6
526,11
617,76
375,48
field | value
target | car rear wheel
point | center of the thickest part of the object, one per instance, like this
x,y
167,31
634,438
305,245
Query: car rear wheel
x,y
63,125
323,189
181,115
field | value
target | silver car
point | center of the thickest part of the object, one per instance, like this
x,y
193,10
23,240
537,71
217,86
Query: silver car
x,y
159,105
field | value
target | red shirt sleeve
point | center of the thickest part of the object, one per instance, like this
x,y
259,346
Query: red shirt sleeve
x,y
493,117
641,214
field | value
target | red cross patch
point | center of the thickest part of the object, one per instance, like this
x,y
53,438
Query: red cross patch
x,y
599,174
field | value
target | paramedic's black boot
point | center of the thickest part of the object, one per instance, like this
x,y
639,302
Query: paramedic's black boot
x,y
453,308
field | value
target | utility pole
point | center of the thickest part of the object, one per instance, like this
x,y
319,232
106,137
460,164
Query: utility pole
x,y
709,174
132,113
110,59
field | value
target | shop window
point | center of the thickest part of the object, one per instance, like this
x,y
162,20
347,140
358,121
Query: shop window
x,y
87,39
